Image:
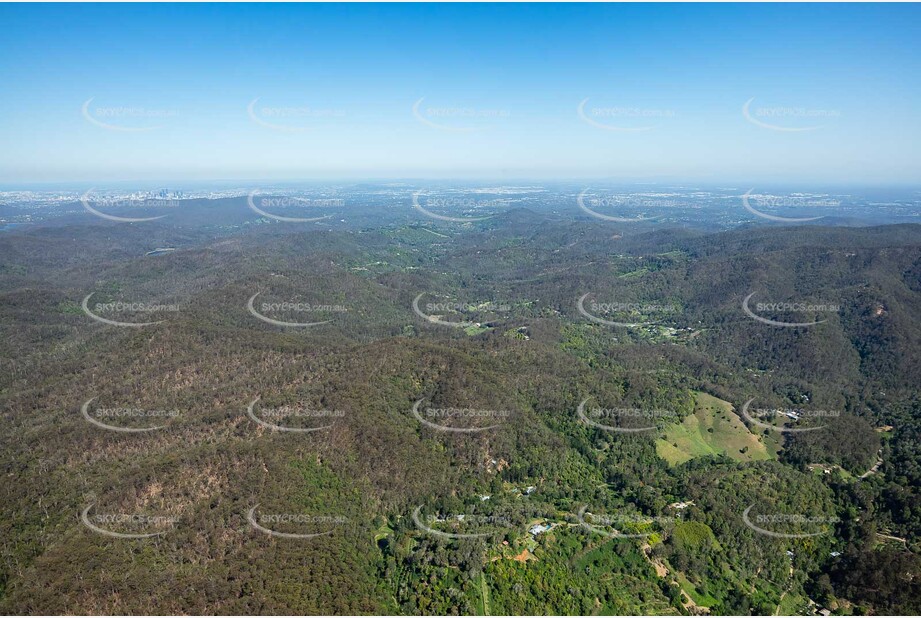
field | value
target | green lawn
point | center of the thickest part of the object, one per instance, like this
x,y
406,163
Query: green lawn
x,y
712,429
704,600
634,273
792,605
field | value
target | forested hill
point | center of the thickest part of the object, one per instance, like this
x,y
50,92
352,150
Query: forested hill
x,y
529,414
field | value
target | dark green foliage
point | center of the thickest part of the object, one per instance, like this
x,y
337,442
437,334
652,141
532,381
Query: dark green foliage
x,y
538,359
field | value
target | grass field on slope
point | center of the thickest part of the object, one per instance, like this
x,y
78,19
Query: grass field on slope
x,y
712,429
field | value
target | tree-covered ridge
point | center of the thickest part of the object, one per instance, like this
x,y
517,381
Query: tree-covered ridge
x,y
358,482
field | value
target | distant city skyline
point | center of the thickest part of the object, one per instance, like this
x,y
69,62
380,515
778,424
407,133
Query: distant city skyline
x,y
813,95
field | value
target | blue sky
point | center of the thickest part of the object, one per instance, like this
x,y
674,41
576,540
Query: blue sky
x,y
501,86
